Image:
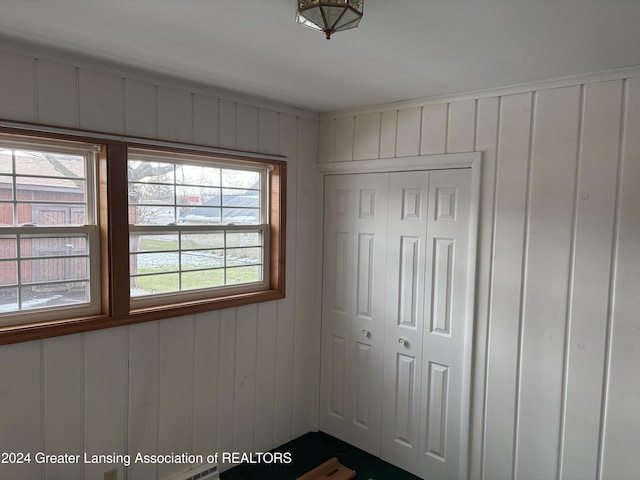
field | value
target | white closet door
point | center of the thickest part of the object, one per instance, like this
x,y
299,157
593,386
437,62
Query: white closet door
x,y
353,307
404,317
337,304
443,350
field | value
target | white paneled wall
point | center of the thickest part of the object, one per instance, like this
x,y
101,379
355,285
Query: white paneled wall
x,y
242,379
556,391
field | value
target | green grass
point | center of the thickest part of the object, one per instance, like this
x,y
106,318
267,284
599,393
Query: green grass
x,y
193,280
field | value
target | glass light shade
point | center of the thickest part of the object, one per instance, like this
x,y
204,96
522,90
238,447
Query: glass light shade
x,y
329,16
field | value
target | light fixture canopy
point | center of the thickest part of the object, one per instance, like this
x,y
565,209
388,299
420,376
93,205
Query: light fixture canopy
x,y
329,16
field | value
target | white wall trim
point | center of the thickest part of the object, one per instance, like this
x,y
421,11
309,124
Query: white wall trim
x,y
404,164
594,77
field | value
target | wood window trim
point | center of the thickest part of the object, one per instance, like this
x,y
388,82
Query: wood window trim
x,y
114,237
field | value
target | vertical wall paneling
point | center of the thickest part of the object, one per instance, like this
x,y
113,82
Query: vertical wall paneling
x,y
226,381
205,383
245,378
143,413
20,404
409,127
268,130
63,409
505,290
434,129
186,384
557,247
265,397
105,397
326,134
367,137
286,307
621,435
17,87
175,398
140,109
307,327
595,214
101,102
247,128
487,125
175,115
388,133
344,139
205,120
228,124
57,94
462,123
552,177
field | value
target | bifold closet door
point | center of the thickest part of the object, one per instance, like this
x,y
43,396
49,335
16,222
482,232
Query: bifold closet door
x,y
353,307
447,323
404,317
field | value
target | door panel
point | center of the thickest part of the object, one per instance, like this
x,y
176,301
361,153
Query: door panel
x,y
353,308
443,352
404,317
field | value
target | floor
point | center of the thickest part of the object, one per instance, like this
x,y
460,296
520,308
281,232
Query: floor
x,y
312,449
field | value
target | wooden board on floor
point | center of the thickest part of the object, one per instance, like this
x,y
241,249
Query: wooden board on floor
x,y
332,469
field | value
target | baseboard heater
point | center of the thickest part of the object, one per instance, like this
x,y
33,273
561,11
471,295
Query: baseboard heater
x,y
202,472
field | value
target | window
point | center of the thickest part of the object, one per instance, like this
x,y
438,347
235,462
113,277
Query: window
x,y
198,227
49,247
97,232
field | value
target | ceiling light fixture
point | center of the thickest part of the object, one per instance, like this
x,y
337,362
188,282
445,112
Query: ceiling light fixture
x,y
329,16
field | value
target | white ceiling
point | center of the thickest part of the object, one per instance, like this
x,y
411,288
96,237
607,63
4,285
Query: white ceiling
x,y
403,49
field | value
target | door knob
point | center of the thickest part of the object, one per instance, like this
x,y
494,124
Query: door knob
x,y
403,342
365,333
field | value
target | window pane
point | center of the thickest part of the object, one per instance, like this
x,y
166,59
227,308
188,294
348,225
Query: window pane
x,y
54,295
241,216
154,262
150,172
199,215
51,214
197,175
149,215
6,187
49,164
8,273
202,279
151,194
199,259
240,179
151,284
243,256
244,239
203,240
52,246
54,270
8,247
241,275
8,299
241,198
153,243
189,195
6,163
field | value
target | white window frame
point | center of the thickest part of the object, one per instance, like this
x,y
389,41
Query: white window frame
x,y
263,228
90,229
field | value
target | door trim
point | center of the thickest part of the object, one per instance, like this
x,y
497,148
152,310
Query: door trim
x,y
472,160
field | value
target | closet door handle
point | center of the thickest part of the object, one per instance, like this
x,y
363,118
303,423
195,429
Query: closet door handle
x,y
365,333
403,342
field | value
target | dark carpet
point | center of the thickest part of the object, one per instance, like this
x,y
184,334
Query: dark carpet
x,y
312,449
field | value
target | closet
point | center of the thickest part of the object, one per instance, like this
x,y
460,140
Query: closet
x,y
395,308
